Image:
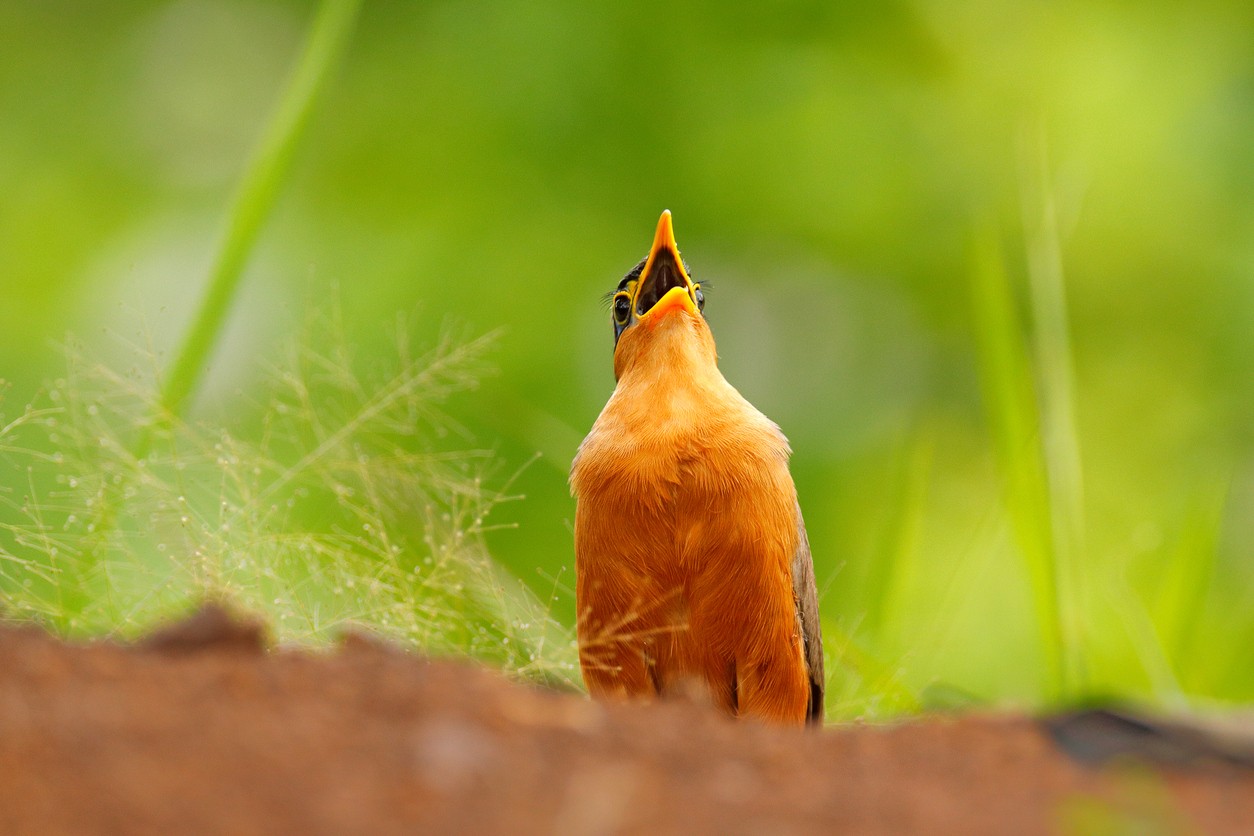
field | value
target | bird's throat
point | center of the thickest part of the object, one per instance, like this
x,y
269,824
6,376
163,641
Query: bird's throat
x,y
663,277
673,348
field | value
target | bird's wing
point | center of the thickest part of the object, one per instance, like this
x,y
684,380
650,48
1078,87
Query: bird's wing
x,y
806,596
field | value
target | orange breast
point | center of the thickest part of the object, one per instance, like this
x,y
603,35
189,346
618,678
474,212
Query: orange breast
x,y
685,529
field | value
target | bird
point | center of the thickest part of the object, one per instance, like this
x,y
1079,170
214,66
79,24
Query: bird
x,y
693,572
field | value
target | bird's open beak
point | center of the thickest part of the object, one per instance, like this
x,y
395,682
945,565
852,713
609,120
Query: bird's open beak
x,y
664,283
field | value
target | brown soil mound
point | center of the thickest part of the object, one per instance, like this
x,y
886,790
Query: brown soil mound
x,y
198,730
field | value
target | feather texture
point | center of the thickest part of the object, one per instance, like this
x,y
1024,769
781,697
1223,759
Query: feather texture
x,y
693,569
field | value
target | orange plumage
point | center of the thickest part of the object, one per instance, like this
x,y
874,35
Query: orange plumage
x,y
692,562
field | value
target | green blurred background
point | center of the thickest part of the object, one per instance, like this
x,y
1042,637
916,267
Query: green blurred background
x,y
830,166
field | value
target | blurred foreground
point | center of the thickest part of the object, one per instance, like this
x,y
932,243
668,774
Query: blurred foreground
x,y
197,731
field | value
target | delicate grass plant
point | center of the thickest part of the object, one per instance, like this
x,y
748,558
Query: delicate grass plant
x,y
860,685
339,513
329,518
344,511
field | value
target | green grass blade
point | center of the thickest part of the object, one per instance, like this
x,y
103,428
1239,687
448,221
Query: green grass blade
x,y
860,685
1053,366
324,46
1186,578
897,561
1010,399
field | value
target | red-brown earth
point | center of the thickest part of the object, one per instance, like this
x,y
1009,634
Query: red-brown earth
x,y
199,729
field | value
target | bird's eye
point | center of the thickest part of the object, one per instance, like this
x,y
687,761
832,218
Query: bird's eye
x,y
700,298
622,308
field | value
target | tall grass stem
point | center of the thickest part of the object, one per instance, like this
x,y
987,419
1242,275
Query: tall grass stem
x,y
1011,401
1055,379
324,46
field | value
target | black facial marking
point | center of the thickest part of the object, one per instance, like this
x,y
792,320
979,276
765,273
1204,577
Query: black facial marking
x,y
632,274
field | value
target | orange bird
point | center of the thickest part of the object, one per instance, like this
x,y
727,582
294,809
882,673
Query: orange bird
x,y
692,563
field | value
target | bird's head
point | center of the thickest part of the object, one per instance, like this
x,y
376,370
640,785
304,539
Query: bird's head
x,y
657,310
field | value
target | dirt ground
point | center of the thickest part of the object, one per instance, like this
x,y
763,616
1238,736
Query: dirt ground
x,y
199,730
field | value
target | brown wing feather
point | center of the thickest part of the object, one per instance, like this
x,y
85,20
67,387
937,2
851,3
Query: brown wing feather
x,y
806,596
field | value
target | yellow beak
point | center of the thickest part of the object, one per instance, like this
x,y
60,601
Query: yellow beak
x,y
664,266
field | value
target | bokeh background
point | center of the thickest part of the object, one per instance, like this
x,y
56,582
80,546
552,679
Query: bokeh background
x,y
838,175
